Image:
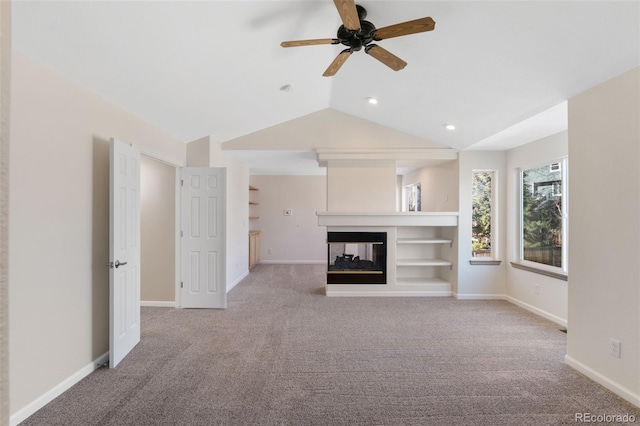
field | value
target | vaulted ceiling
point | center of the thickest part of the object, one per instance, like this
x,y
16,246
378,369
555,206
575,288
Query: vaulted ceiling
x,y
216,67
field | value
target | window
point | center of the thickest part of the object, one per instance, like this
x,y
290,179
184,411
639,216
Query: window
x,y
413,196
543,215
482,214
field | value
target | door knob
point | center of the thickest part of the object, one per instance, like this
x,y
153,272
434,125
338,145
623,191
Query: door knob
x,y
118,263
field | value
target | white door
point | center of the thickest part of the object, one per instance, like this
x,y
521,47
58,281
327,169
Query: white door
x,y
124,251
203,283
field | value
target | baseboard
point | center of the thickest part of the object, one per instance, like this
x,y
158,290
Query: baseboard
x,y
30,409
614,387
479,296
235,283
537,311
157,304
293,262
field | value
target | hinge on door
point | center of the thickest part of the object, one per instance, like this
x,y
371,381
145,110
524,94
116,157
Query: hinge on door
x,y
181,284
181,234
181,182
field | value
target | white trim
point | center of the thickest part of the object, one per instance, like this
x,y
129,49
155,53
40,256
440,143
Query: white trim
x,y
537,311
614,387
479,296
293,262
157,304
178,238
363,293
236,282
57,390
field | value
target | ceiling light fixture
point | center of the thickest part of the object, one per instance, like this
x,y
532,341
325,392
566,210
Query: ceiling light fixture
x,y
372,101
449,126
286,88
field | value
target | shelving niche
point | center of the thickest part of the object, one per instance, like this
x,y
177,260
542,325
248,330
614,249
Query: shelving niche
x,y
425,256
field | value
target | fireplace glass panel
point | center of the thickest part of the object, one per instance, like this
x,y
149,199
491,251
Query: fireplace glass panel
x,y
357,258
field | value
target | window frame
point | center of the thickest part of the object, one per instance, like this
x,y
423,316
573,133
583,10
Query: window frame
x,y
521,263
494,218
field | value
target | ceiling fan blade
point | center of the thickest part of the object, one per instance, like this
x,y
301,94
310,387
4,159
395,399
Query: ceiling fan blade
x,y
348,14
386,57
312,42
405,28
337,63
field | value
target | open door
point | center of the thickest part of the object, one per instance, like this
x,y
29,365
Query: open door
x,y
124,250
203,283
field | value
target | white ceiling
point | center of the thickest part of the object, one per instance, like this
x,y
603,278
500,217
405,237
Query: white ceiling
x,y
215,67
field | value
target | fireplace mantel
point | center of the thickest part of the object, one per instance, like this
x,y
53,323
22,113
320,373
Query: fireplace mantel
x,y
388,219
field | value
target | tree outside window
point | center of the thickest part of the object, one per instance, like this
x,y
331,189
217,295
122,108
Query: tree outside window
x,y
481,213
543,214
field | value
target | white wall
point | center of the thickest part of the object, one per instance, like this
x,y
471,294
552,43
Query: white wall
x,y
604,233
439,186
237,213
551,299
295,238
482,281
59,231
5,102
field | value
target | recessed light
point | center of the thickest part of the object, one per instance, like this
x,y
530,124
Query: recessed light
x,y
372,101
449,126
286,88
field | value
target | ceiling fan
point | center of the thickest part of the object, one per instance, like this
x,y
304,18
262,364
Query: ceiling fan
x,y
356,33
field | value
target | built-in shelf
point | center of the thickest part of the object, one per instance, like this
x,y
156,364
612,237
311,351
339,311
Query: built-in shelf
x,y
422,281
423,262
252,212
424,241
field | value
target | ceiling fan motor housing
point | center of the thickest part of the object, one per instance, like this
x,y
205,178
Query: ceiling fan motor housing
x,y
357,39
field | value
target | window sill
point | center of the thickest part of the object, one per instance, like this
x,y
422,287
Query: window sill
x,y
552,274
485,262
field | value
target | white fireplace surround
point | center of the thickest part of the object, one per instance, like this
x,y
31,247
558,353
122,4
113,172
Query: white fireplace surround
x,y
388,219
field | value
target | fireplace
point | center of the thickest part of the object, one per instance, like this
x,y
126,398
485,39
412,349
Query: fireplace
x,y
357,258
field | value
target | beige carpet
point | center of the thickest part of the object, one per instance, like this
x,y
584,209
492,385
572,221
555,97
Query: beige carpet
x,y
284,354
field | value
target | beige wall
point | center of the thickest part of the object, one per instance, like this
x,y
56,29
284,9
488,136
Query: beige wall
x,y
295,238
439,186
357,189
604,232
157,226
5,73
59,233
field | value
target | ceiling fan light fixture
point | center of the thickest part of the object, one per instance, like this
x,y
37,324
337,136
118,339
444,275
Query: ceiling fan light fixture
x,y
372,101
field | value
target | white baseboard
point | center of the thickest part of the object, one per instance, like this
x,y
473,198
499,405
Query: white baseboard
x,y
614,387
57,390
235,283
158,304
537,311
479,296
293,262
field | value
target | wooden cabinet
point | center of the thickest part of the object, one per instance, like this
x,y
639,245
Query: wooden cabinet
x,y
254,248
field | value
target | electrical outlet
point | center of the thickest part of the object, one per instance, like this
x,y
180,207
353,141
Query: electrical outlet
x,y
270,251
287,212
614,348
536,288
